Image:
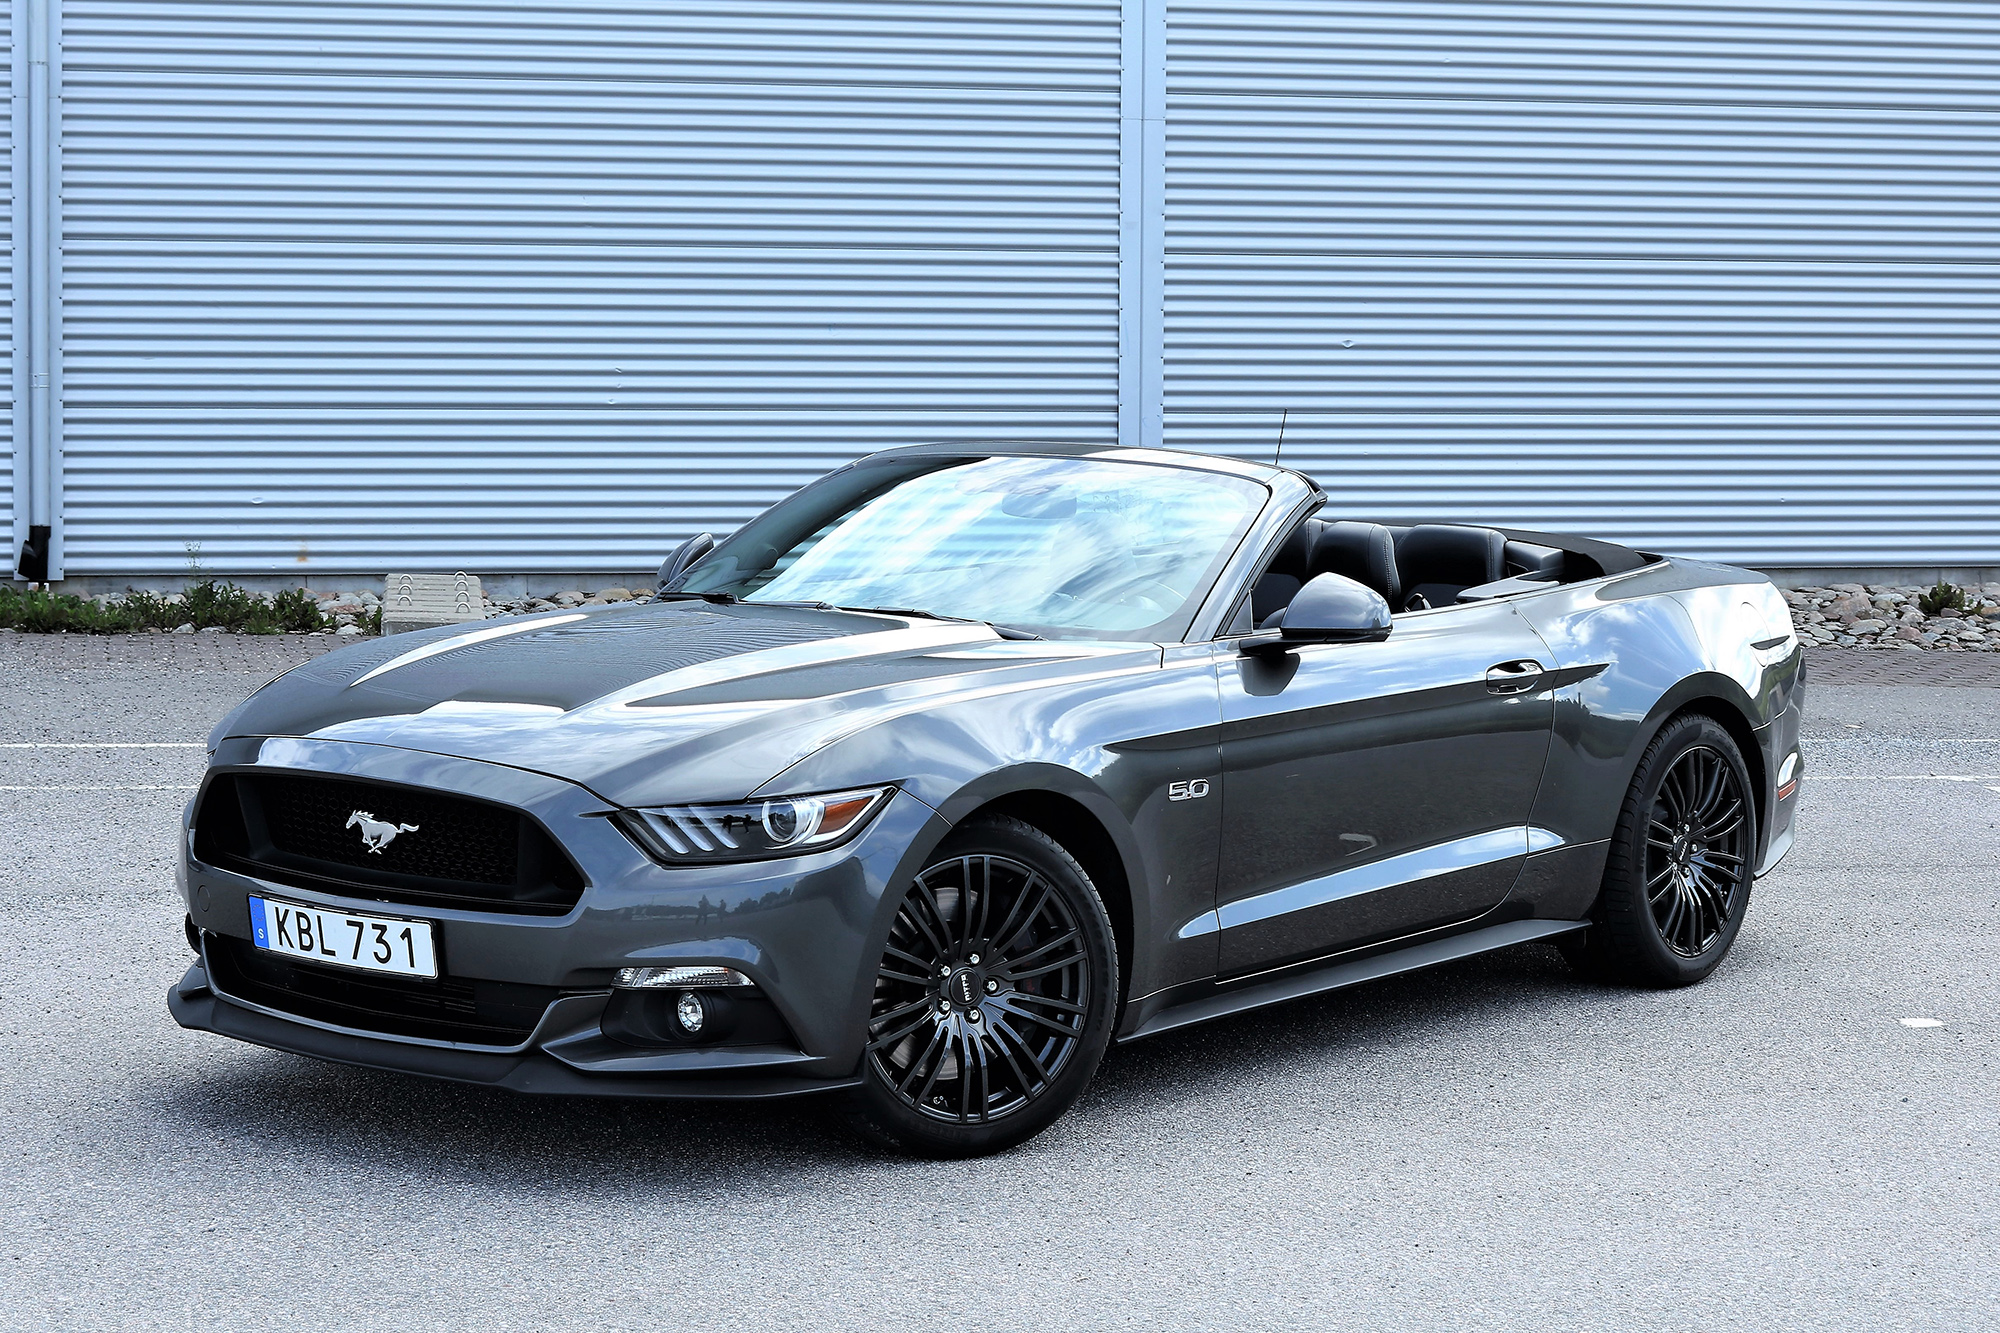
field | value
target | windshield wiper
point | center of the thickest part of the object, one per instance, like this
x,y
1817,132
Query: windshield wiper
x,y
731,599
1004,631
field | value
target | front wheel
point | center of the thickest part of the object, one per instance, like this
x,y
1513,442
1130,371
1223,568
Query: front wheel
x,y
1677,881
993,999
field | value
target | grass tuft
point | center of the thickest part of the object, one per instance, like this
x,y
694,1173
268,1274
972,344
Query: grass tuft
x,y
204,603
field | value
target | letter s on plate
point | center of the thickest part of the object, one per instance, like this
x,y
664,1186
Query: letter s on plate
x,y
1192,790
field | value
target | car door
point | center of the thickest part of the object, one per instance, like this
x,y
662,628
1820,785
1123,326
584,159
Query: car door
x,y
1376,790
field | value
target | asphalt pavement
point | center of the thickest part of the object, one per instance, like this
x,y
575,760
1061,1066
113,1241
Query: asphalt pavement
x,y
1492,1144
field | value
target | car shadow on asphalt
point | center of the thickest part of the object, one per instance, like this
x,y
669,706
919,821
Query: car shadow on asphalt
x,y
271,1102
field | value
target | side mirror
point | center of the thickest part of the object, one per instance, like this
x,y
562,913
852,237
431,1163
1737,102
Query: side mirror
x,y
683,559
1331,608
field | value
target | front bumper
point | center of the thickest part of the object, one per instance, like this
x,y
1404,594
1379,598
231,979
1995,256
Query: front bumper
x,y
196,1006
799,927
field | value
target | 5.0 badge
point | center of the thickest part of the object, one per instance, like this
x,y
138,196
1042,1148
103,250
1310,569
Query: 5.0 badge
x,y
1191,790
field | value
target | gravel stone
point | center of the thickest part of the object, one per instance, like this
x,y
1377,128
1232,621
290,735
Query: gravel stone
x,y
1880,616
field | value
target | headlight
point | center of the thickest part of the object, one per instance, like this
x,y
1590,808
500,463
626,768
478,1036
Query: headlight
x,y
751,830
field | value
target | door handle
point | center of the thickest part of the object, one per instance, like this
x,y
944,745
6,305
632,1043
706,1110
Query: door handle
x,y
1513,677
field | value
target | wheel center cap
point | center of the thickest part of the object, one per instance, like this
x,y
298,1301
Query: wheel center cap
x,y
962,988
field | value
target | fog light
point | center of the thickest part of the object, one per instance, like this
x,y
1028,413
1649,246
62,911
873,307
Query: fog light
x,y
1788,775
690,1013
679,978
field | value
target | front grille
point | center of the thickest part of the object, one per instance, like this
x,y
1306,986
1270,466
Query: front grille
x,y
482,1013
381,841
459,840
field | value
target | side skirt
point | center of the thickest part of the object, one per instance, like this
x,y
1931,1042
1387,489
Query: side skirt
x,y
1234,999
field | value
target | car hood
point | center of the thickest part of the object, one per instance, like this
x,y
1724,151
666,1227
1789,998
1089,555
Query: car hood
x,y
668,702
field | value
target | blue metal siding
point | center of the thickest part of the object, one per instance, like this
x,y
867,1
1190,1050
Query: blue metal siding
x,y
540,287
1714,278
544,285
1928,54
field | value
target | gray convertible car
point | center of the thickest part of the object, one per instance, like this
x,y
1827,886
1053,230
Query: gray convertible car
x,y
968,760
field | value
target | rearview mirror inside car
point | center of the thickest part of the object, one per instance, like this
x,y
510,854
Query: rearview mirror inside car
x,y
1331,608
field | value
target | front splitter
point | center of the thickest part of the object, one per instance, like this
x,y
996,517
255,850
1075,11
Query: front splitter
x,y
196,1007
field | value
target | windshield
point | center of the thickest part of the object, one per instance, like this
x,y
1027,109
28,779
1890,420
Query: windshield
x,y
1058,546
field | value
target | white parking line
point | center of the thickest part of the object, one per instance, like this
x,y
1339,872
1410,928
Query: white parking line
x,y
1907,740
1903,777
134,786
101,745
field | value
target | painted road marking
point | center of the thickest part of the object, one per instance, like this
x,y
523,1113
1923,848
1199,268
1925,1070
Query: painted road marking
x,y
1903,777
1907,740
101,745
134,786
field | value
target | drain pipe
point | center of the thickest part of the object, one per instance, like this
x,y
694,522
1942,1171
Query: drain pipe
x,y
37,213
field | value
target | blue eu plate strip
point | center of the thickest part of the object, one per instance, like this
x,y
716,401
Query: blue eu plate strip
x,y
257,925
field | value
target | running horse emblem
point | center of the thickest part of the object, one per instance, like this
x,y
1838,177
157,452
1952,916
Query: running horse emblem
x,y
375,833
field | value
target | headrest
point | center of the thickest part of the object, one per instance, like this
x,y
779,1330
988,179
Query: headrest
x,y
1295,553
1364,552
1448,553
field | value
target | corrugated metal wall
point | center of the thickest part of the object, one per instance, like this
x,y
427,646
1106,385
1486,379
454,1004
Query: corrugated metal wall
x,y
536,286
1717,278
544,285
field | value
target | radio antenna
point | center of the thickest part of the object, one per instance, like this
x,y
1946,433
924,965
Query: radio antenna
x,y
1283,416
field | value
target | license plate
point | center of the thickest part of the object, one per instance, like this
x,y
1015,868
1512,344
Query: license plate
x,y
344,939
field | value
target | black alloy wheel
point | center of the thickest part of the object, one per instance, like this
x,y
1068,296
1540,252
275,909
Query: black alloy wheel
x,y
1678,876
993,997
1697,851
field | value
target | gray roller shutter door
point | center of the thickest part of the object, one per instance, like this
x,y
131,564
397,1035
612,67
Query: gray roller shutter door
x,y
1714,278
542,286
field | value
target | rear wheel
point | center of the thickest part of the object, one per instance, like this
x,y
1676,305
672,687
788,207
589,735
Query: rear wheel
x,y
993,999
1677,881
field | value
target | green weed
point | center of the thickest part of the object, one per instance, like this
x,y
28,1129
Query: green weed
x,y
204,603
1946,597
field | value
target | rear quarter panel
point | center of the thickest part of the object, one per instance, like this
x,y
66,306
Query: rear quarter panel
x,y
1638,648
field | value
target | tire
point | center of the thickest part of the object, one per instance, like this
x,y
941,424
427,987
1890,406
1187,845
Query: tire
x,y
1677,881
994,998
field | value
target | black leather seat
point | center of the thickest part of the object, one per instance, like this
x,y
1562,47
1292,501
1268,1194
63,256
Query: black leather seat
x,y
1438,561
1364,552
1288,572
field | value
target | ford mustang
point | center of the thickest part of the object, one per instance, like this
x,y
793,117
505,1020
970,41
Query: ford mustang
x,y
966,761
